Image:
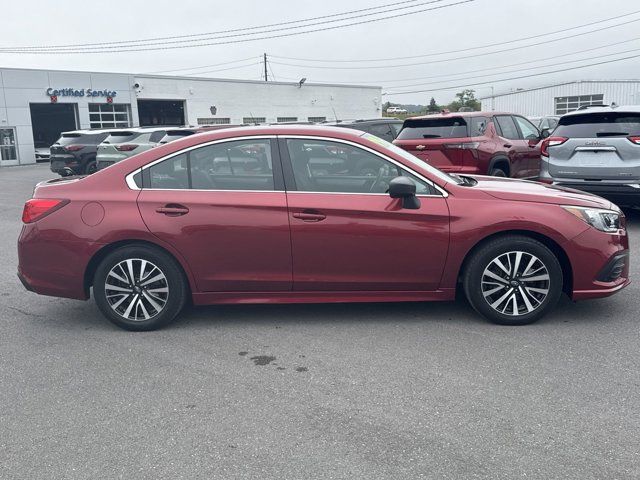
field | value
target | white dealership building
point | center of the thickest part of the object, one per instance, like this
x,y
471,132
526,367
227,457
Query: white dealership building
x,y
36,105
564,97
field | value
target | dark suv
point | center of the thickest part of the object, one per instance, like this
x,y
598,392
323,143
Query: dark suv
x,y
75,152
481,143
385,128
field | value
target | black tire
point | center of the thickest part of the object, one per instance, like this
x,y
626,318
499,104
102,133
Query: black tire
x,y
497,172
477,282
174,281
91,167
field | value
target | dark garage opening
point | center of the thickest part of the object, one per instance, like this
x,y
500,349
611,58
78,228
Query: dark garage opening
x,y
49,120
160,112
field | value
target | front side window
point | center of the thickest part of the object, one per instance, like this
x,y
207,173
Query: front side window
x,y
529,131
333,167
507,127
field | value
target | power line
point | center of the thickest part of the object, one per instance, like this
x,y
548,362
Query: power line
x,y
385,67
224,69
450,87
526,62
466,49
205,66
175,37
511,71
172,46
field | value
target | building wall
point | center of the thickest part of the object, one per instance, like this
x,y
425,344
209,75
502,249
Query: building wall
x,y
234,99
541,101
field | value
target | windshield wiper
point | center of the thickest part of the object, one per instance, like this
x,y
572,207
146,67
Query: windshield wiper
x,y
612,134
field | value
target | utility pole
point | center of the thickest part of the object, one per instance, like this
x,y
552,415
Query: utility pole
x,y
266,79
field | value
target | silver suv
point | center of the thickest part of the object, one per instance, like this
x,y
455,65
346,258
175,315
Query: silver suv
x,y
596,149
121,144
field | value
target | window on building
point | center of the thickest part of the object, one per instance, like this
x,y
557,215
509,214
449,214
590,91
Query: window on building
x,y
109,115
287,119
317,119
214,121
569,104
254,120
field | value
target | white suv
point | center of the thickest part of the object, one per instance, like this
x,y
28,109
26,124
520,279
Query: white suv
x,y
121,144
396,110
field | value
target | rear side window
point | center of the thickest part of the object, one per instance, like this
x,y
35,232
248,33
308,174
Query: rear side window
x,y
595,125
477,126
382,130
170,174
157,136
507,127
445,127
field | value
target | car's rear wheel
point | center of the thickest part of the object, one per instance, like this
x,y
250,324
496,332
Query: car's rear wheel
x,y
498,172
91,167
139,288
513,280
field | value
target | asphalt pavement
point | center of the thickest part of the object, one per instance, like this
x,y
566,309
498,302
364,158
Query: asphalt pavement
x,y
362,391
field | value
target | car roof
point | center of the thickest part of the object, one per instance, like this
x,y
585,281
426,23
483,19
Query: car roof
x,y
461,114
607,109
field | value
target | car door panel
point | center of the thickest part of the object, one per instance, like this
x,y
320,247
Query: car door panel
x,y
367,242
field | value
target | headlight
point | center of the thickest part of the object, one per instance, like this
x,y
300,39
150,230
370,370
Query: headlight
x,y
608,221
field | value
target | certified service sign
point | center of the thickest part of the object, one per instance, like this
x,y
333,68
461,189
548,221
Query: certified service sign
x,y
73,92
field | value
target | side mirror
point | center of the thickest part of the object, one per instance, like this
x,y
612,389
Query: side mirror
x,y
404,188
544,133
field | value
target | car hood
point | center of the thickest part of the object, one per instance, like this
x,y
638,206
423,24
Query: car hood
x,y
526,191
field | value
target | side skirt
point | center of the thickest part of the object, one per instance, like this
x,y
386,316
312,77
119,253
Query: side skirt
x,y
212,298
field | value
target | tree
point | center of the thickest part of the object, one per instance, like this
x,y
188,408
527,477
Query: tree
x,y
465,98
433,106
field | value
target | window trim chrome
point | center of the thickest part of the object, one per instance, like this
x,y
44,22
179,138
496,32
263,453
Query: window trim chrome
x,y
132,185
437,187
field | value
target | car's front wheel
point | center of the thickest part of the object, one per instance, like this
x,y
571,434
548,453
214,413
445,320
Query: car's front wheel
x,y
513,280
139,288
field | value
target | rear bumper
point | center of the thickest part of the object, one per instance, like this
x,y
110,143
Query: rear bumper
x,y
626,192
64,164
52,268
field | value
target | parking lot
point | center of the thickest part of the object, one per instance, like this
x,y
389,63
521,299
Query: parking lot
x,y
313,391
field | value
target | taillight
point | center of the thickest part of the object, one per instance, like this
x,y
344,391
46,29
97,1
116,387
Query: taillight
x,y
73,148
635,140
126,147
463,145
36,208
551,142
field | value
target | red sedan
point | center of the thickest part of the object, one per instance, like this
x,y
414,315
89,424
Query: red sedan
x,y
302,214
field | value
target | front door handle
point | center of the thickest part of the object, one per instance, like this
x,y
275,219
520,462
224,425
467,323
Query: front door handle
x,y
309,216
507,145
173,210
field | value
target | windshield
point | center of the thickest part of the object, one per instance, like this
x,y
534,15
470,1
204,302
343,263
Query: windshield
x,y
445,127
412,160
595,125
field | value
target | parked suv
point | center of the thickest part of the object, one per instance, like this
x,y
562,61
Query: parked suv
x,y
121,144
385,128
483,143
75,152
597,150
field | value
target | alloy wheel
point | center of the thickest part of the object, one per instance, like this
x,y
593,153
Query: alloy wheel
x,y
136,289
515,283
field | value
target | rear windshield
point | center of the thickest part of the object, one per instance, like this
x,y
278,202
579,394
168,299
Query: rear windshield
x,y
121,137
597,125
419,128
81,138
175,134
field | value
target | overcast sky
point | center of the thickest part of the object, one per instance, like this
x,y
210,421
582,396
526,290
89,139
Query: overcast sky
x,y
480,22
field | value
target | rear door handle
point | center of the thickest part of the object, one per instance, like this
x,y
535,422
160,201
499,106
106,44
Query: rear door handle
x,y
309,216
507,145
173,210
